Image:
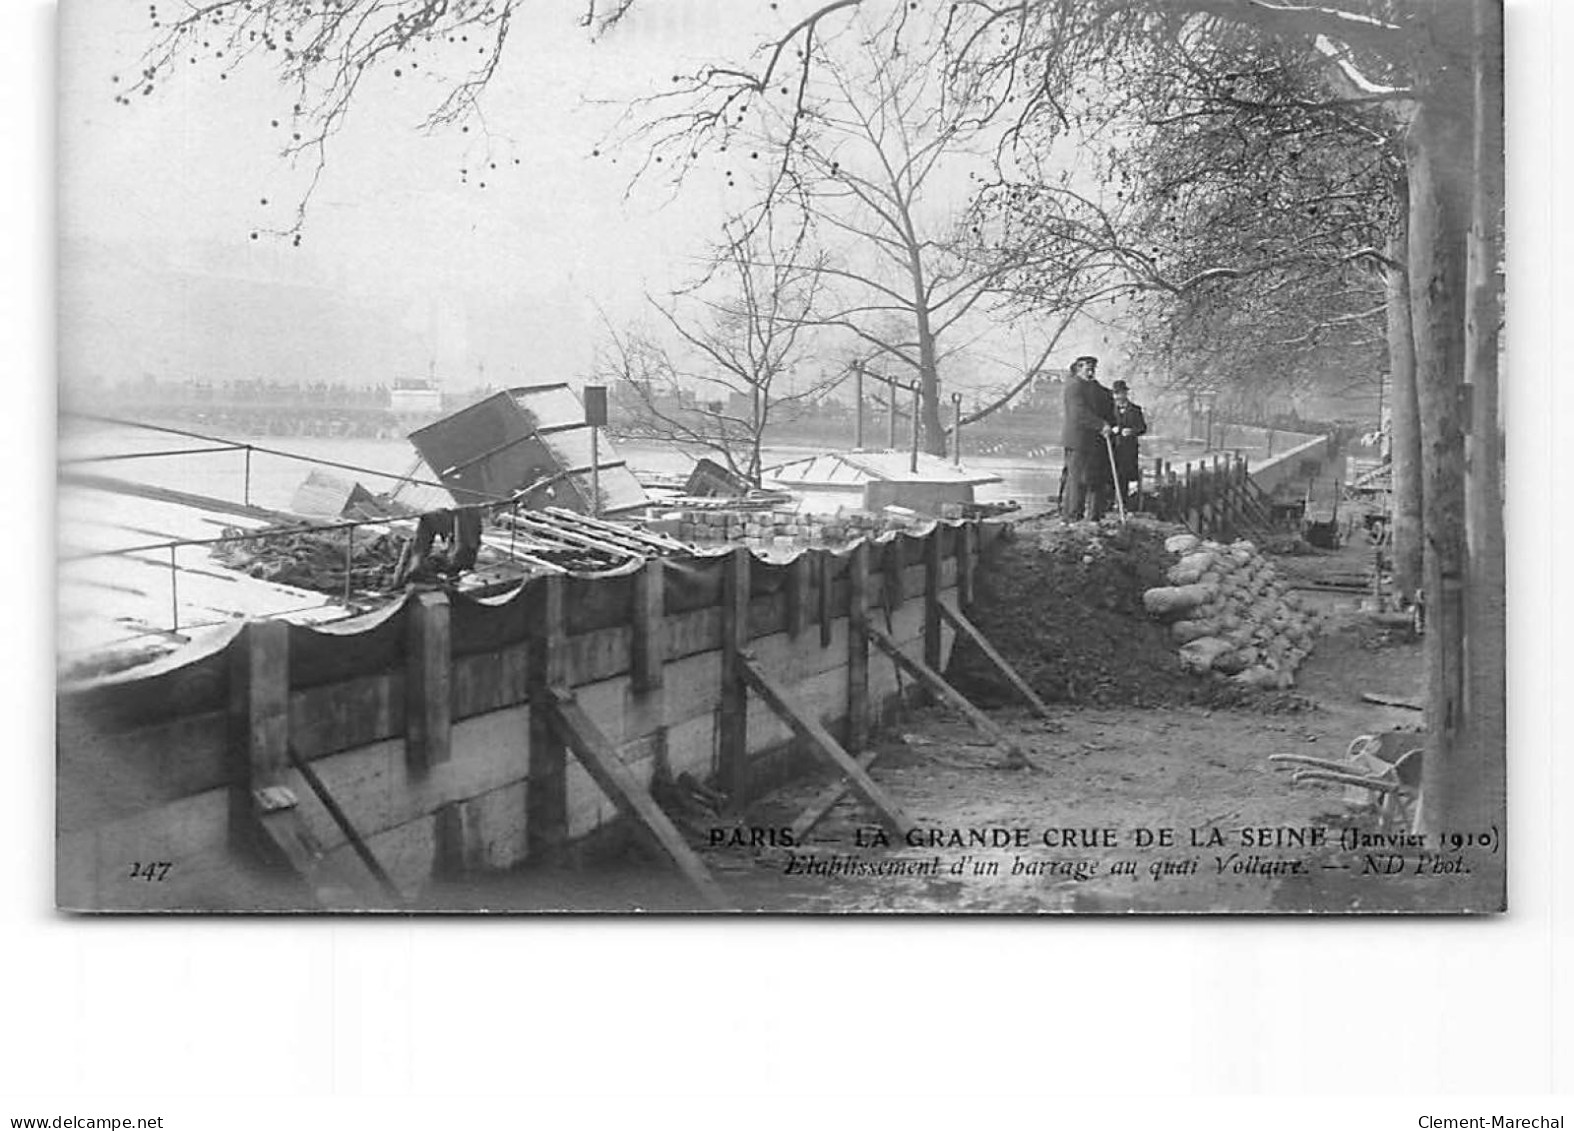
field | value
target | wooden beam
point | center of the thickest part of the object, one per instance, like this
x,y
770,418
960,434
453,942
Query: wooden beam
x,y
827,585
970,630
428,695
822,802
819,739
966,563
546,799
798,586
650,643
932,641
937,686
1390,701
282,832
259,707
342,819
732,723
600,759
858,648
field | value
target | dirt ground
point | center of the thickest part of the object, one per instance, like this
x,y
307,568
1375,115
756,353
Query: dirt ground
x,y
1084,829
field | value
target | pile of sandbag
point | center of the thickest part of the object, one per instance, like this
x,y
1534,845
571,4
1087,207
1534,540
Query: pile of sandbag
x,y
1230,613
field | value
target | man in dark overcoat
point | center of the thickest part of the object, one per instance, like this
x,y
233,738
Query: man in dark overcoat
x,y
1085,477
1126,424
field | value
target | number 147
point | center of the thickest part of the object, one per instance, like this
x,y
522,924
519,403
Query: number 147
x,y
153,871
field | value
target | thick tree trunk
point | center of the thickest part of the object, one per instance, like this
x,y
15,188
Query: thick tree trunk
x,y
933,432
1438,151
1405,427
1486,693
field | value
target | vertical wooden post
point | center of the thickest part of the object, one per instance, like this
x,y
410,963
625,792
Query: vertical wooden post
x,y
732,724
428,670
546,795
650,610
932,597
858,648
966,563
798,584
259,718
823,557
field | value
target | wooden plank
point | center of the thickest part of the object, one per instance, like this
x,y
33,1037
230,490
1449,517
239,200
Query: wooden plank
x,y
546,820
428,696
280,828
806,727
649,643
858,649
347,829
937,685
798,585
732,718
967,563
601,761
1391,701
824,593
968,629
259,712
932,642
822,802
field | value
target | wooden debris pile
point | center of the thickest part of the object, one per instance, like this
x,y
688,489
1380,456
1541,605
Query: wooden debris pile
x,y
314,559
1231,614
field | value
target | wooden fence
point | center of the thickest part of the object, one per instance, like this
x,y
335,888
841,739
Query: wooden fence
x,y
279,765
1214,498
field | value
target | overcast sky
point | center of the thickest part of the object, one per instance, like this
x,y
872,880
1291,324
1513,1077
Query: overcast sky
x,y
402,263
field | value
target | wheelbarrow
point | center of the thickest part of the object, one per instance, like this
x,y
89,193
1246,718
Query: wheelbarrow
x,y
1381,774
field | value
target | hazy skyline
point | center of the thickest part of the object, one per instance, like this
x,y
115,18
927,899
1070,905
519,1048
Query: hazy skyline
x,y
406,262
403,262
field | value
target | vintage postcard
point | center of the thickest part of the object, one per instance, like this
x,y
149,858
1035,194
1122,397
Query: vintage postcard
x,y
826,456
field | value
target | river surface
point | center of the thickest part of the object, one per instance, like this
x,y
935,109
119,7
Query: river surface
x,y
274,478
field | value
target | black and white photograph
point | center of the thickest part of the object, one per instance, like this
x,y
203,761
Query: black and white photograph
x,y
800,457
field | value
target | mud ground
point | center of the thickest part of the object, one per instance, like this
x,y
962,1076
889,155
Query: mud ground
x,y
1101,772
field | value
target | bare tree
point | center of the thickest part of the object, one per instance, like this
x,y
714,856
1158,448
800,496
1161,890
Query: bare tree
x,y
322,53
733,346
872,149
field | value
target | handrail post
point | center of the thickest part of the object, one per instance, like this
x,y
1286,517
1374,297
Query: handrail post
x,y
246,498
349,559
174,591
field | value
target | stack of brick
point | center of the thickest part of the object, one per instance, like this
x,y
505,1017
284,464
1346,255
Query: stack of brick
x,y
1231,614
784,529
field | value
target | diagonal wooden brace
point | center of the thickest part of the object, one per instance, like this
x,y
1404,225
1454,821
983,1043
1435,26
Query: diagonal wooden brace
x,y
806,727
968,629
946,693
600,759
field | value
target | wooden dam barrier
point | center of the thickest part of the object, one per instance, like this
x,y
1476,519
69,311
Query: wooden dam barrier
x,y
277,765
1215,498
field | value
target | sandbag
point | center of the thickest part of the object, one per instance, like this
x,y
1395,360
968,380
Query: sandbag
x,y
1181,543
1168,600
1185,631
1256,676
1200,655
1230,663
